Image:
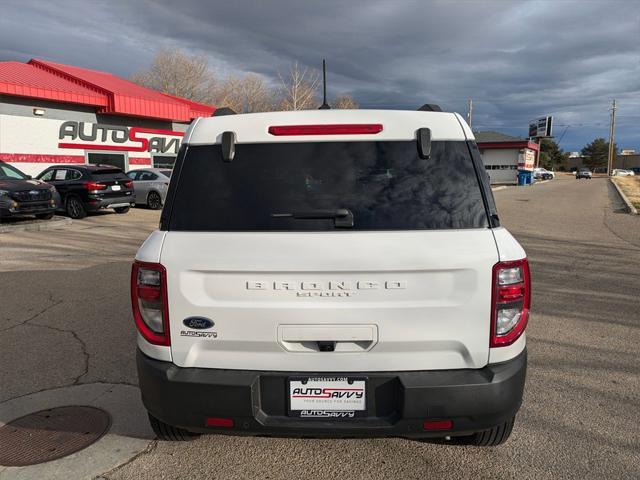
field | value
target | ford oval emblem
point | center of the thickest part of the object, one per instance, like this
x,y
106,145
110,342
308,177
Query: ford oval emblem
x,y
199,323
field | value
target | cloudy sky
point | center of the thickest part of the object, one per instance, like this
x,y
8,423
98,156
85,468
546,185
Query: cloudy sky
x,y
518,60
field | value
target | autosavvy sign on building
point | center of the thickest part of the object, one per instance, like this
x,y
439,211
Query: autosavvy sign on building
x,y
33,144
89,136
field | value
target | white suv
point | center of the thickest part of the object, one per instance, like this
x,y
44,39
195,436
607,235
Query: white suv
x,y
331,273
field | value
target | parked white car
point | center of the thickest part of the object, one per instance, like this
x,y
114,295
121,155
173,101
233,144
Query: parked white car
x,y
619,172
332,273
543,174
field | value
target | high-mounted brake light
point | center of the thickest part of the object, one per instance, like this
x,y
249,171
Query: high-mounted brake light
x,y
333,129
92,186
510,300
149,302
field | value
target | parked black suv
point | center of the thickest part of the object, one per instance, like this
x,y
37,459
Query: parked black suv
x,y
20,195
87,188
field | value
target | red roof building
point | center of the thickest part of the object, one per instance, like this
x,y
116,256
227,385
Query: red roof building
x,y
111,94
56,114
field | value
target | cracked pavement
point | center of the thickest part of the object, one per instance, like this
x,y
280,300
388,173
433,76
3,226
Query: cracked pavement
x,y
65,316
65,320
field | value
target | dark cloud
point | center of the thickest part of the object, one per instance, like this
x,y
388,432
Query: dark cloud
x,y
517,60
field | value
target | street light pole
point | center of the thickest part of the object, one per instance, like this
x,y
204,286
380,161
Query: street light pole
x,y
612,150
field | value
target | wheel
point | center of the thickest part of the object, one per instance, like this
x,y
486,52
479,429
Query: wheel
x,y
121,209
489,438
44,216
75,209
154,201
170,433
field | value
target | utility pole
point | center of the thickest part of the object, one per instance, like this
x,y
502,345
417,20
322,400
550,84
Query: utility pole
x,y
612,150
469,112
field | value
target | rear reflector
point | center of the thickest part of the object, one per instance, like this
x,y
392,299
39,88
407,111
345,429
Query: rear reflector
x,y
335,129
437,425
219,422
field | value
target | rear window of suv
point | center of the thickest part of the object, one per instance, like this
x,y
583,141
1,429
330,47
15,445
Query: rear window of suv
x,y
105,175
384,184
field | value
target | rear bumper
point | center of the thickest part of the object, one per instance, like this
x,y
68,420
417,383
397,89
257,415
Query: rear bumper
x,y
96,202
397,402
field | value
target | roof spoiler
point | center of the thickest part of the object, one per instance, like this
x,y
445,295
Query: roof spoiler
x,y
219,112
427,107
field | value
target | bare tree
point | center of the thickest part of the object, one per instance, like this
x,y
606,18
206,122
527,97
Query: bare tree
x,y
246,94
299,89
344,102
176,73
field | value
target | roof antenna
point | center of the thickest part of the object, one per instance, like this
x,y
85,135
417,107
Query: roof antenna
x,y
325,105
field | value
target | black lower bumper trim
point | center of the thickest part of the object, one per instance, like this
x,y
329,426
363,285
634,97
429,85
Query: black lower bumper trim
x,y
397,402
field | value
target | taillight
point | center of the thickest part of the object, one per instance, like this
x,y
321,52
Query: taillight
x,y
328,129
92,186
149,302
511,299
128,184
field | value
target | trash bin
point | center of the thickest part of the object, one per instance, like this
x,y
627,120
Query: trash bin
x,y
525,177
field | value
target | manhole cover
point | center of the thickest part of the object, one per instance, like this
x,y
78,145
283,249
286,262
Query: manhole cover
x,y
50,434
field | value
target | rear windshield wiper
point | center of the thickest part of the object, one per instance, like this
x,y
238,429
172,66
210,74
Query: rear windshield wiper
x,y
343,218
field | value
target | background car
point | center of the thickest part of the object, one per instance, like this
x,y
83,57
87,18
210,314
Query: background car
x,y
584,173
150,186
543,174
619,172
87,188
20,195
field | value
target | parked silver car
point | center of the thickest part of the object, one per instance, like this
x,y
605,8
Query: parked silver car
x,y
150,186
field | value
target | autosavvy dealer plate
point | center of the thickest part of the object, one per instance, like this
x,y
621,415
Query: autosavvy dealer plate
x,y
327,397
115,188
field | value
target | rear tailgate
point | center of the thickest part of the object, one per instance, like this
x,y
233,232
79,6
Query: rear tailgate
x,y
423,307
117,183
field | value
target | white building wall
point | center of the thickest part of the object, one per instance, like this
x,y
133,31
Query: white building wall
x,y
33,143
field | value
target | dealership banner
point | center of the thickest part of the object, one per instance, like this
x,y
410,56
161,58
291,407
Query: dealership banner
x,y
526,159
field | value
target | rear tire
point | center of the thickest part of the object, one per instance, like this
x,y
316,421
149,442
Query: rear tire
x,y
44,216
169,433
121,209
75,209
154,201
489,438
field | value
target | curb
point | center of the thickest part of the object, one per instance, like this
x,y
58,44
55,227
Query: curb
x,y
497,189
630,207
540,182
36,225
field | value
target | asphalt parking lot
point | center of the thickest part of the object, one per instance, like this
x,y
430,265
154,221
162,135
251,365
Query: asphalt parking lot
x,y
65,322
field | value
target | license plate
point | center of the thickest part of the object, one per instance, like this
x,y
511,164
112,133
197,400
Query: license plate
x,y
115,188
327,397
